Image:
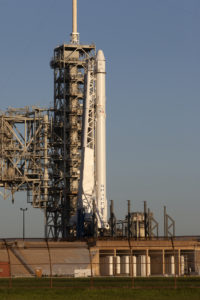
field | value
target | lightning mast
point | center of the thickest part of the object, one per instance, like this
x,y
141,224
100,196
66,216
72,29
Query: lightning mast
x,y
75,34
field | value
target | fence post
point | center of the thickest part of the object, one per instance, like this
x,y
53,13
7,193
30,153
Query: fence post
x,y
163,262
147,264
9,264
131,265
50,264
179,262
175,285
91,267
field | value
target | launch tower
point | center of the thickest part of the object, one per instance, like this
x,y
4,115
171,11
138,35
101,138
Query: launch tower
x,y
74,131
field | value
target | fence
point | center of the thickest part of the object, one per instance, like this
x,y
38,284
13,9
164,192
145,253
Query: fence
x,y
105,263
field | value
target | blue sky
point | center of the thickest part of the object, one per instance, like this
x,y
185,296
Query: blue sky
x,y
152,49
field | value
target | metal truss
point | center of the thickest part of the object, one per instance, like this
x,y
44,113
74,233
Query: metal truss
x,y
24,158
86,190
169,225
70,68
89,137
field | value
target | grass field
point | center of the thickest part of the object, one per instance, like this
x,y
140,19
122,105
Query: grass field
x,y
101,288
99,294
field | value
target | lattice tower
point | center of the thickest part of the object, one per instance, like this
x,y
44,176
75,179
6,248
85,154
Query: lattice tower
x,y
70,67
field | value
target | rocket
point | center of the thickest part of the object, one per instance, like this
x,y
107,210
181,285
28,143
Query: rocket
x,y
100,161
92,186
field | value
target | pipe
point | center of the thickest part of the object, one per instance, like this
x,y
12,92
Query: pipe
x,y
165,225
129,207
149,222
111,208
145,218
111,218
129,219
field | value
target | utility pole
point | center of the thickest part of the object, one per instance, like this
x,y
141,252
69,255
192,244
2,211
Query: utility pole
x,y
23,210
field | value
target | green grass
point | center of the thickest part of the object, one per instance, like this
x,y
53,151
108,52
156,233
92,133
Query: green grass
x,y
101,288
103,282
99,294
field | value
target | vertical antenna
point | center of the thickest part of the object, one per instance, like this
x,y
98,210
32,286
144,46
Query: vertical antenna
x,y
75,34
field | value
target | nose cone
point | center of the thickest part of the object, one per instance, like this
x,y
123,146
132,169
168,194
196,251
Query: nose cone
x,y
101,62
100,55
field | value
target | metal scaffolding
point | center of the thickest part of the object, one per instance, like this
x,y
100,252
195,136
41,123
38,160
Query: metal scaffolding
x,y
70,69
24,154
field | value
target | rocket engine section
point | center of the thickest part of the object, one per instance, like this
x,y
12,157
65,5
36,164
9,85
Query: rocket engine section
x,y
92,192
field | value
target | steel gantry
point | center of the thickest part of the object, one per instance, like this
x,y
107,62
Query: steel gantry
x,y
70,69
24,154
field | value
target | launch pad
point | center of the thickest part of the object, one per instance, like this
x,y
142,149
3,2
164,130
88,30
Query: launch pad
x,y
58,154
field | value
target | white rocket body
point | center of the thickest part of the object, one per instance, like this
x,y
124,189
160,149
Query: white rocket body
x,y
101,201
93,172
